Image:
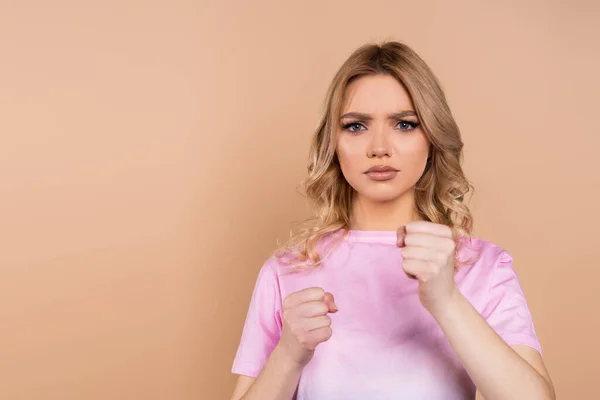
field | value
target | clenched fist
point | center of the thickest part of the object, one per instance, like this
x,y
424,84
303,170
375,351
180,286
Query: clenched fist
x,y
306,323
428,255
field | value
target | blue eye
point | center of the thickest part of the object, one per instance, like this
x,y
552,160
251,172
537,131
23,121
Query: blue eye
x,y
407,125
354,127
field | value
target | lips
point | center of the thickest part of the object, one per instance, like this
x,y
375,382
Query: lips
x,y
381,168
381,173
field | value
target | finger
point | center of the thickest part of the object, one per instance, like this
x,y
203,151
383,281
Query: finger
x,y
311,339
310,324
303,296
420,253
415,268
400,235
311,309
329,301
423,240
429,227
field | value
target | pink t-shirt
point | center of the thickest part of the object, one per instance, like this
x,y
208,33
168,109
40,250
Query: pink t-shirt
x,y
385,345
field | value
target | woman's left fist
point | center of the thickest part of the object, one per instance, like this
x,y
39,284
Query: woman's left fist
x,y
428,253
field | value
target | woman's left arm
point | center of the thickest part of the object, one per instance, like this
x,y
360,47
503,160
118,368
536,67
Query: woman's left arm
x,y
498,370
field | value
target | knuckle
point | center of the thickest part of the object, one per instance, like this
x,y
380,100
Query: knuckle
x,y
303,340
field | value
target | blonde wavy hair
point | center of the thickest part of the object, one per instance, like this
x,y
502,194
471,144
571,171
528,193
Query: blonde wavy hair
x,y
439,193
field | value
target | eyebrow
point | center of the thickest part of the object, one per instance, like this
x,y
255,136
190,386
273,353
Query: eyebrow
x,y
368,117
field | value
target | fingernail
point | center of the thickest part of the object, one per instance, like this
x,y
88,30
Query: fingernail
x,y
401,234
329,300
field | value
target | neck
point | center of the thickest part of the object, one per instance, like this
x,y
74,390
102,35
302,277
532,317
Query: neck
x,y
369,215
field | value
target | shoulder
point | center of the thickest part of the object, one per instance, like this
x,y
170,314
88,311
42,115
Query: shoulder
x,y
278,264
304,256
487,275
479,250
483,259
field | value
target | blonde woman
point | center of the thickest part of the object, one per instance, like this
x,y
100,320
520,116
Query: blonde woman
x,y
385,294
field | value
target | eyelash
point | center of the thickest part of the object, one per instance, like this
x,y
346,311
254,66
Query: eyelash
x,y
413,125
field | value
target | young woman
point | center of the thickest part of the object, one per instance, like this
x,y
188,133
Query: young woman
x,y
386,295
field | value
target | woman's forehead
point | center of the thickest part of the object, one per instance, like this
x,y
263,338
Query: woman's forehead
x,y
375,94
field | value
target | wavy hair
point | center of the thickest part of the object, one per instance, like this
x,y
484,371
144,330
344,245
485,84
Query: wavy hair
x,y
439,193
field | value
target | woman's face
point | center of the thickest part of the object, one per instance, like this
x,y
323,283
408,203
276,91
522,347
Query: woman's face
x,y
381,148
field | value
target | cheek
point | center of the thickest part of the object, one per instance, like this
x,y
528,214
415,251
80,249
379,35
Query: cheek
x,y
411,155
351,156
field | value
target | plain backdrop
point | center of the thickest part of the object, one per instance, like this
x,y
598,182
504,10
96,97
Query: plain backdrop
x,y
150,153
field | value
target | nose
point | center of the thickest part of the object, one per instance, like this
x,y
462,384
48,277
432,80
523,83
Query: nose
x,y
379,146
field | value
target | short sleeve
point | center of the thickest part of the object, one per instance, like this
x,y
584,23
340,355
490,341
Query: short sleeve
x,y
262,328
506,309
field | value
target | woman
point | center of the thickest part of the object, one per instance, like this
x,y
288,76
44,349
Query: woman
x,y
386,295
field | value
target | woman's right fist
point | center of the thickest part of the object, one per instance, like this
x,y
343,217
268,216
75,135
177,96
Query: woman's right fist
x,y
306,323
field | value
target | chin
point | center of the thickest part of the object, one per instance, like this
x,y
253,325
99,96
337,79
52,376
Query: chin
x,y
383,195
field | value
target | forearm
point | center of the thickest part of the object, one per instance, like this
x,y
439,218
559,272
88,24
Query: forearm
x,y
496,369
278,379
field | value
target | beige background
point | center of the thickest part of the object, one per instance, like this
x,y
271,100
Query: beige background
x,y
150,152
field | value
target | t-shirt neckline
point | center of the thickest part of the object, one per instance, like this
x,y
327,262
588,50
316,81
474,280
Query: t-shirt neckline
x,y
385,237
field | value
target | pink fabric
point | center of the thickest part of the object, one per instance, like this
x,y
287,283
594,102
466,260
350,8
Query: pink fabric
x,y
385,345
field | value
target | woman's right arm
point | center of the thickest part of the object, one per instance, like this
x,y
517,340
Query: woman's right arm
x,y
241,387
305,325
277,381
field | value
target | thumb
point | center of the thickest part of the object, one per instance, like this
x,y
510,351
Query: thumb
x,y
328,299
